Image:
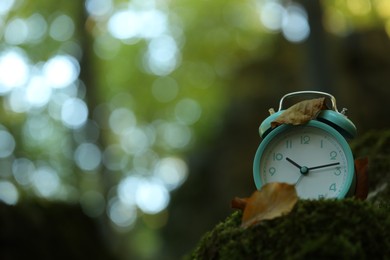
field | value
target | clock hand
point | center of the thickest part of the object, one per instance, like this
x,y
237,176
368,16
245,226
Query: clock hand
x,y
294,163
299,179
302,169
323,166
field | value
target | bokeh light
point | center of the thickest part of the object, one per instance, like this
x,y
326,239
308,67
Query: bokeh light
x,y
135,140
359,7
37,130
336,22
14,69
16,31
98,8
23,169
8,193
45,181
383,8
291,20
129,24
151,196
188,111
88,156
37,28
62,28
271,15
172,172
38,93
175,135
61,70
295,24
163,55
6,5
127,189
16,101
74,113
122,119
122,215
7,142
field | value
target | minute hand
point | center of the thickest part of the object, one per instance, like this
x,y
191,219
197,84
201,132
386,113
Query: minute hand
x,y
323,166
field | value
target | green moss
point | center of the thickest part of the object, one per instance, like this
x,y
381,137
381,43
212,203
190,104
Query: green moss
x,y
376,146
342,229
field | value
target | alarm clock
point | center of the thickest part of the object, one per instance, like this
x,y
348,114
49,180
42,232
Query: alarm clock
x,y
314,157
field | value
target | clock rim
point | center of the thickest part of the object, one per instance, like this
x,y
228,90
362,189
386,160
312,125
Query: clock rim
x,y
348,187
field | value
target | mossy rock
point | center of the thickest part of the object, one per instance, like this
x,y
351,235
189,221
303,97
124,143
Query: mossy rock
x,y
325,229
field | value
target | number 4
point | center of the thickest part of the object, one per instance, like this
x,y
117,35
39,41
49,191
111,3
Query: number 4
x,y
332,187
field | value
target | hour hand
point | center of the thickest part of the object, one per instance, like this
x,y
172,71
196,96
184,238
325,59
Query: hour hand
x,y
324,165
293,163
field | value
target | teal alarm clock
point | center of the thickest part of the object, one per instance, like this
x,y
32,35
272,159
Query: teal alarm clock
x,y
315,157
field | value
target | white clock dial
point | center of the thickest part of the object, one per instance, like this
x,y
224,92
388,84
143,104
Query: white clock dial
x,y
308,157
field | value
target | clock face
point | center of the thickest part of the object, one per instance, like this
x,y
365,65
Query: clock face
x,y
313,157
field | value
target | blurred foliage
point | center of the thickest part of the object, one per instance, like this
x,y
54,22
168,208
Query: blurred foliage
x,y
143,111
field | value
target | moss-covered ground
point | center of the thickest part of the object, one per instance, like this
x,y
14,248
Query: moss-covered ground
x,y
326,229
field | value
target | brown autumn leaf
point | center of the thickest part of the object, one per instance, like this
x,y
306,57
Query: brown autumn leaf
x,y
361,168
239,203
272,201
301,112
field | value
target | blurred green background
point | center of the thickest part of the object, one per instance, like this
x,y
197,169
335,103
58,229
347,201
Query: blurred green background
x,y
143,114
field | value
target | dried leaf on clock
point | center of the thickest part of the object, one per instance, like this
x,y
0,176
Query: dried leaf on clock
x,y
272,201
301,112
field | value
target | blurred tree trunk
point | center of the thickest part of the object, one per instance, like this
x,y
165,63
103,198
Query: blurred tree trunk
x,y
88,78
318,66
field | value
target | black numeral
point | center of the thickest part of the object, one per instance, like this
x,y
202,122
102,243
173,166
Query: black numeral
x,y
305,139
272,171
277,156
333,155
332,187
